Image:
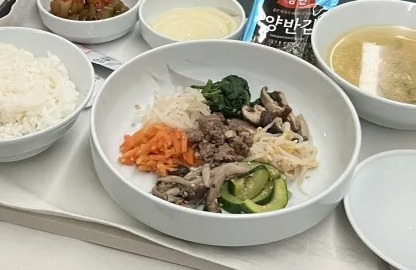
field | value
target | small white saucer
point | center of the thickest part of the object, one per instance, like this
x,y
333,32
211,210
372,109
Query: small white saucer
x,y
381,206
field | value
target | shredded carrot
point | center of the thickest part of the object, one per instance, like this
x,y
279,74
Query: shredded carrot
x,y
157,148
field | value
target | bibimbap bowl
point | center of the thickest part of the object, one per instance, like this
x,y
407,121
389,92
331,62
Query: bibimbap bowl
x,y
333,124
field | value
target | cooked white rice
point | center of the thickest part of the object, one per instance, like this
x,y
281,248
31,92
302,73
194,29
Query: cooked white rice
x,y
35,93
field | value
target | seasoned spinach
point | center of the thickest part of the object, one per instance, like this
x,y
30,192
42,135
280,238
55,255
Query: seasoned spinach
x,y
227,96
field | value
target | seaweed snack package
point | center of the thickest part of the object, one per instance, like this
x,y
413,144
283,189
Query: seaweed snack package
x,y
286,24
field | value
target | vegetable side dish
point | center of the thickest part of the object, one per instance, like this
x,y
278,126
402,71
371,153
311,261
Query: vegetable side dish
x,y
87,10
227,96
157,148
212,148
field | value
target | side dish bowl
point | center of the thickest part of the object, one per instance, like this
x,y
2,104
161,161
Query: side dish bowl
x,y
90,32
333,122
355,15
150,9
81,73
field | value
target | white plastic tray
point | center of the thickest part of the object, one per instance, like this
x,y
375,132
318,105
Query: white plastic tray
x,y
62,182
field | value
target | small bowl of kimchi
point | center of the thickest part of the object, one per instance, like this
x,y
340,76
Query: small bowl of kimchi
x,y
89,21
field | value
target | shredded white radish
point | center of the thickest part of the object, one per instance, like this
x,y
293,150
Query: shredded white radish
x,y
180,110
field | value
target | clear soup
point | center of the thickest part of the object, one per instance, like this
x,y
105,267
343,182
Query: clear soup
x,y
379,60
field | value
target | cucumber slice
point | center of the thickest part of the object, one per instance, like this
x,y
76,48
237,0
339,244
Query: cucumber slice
x,y
266,195
250,184
273,171
278,201
236,186
228,201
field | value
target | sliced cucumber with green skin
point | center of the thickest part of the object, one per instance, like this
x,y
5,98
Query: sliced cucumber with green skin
x,y
236,186
228,201
249,185
273,171
278,201
266,195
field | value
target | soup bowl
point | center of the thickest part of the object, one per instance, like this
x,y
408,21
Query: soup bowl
x,y
356,15
331,117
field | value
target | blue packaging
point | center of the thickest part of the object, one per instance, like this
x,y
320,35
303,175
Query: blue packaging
x,y
286,24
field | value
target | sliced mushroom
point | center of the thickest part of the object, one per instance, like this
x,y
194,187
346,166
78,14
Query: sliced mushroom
x,y
267,118
287,112
293,122
279,97
271,117
277,102
163,187
197,195
178,201
206,175
180,180
157,193
253,114
269,103
175,191
193,174
187,193
169,192
219,175
174,199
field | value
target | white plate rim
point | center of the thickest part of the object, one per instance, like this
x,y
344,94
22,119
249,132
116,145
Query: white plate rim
x,y
349,211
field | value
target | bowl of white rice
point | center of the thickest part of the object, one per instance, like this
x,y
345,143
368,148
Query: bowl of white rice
x,y
45,83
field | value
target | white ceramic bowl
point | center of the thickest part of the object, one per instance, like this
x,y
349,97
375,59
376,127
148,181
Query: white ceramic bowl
x,y
90,32
81,74
355,15
381,206
14,17
151,9
333,121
